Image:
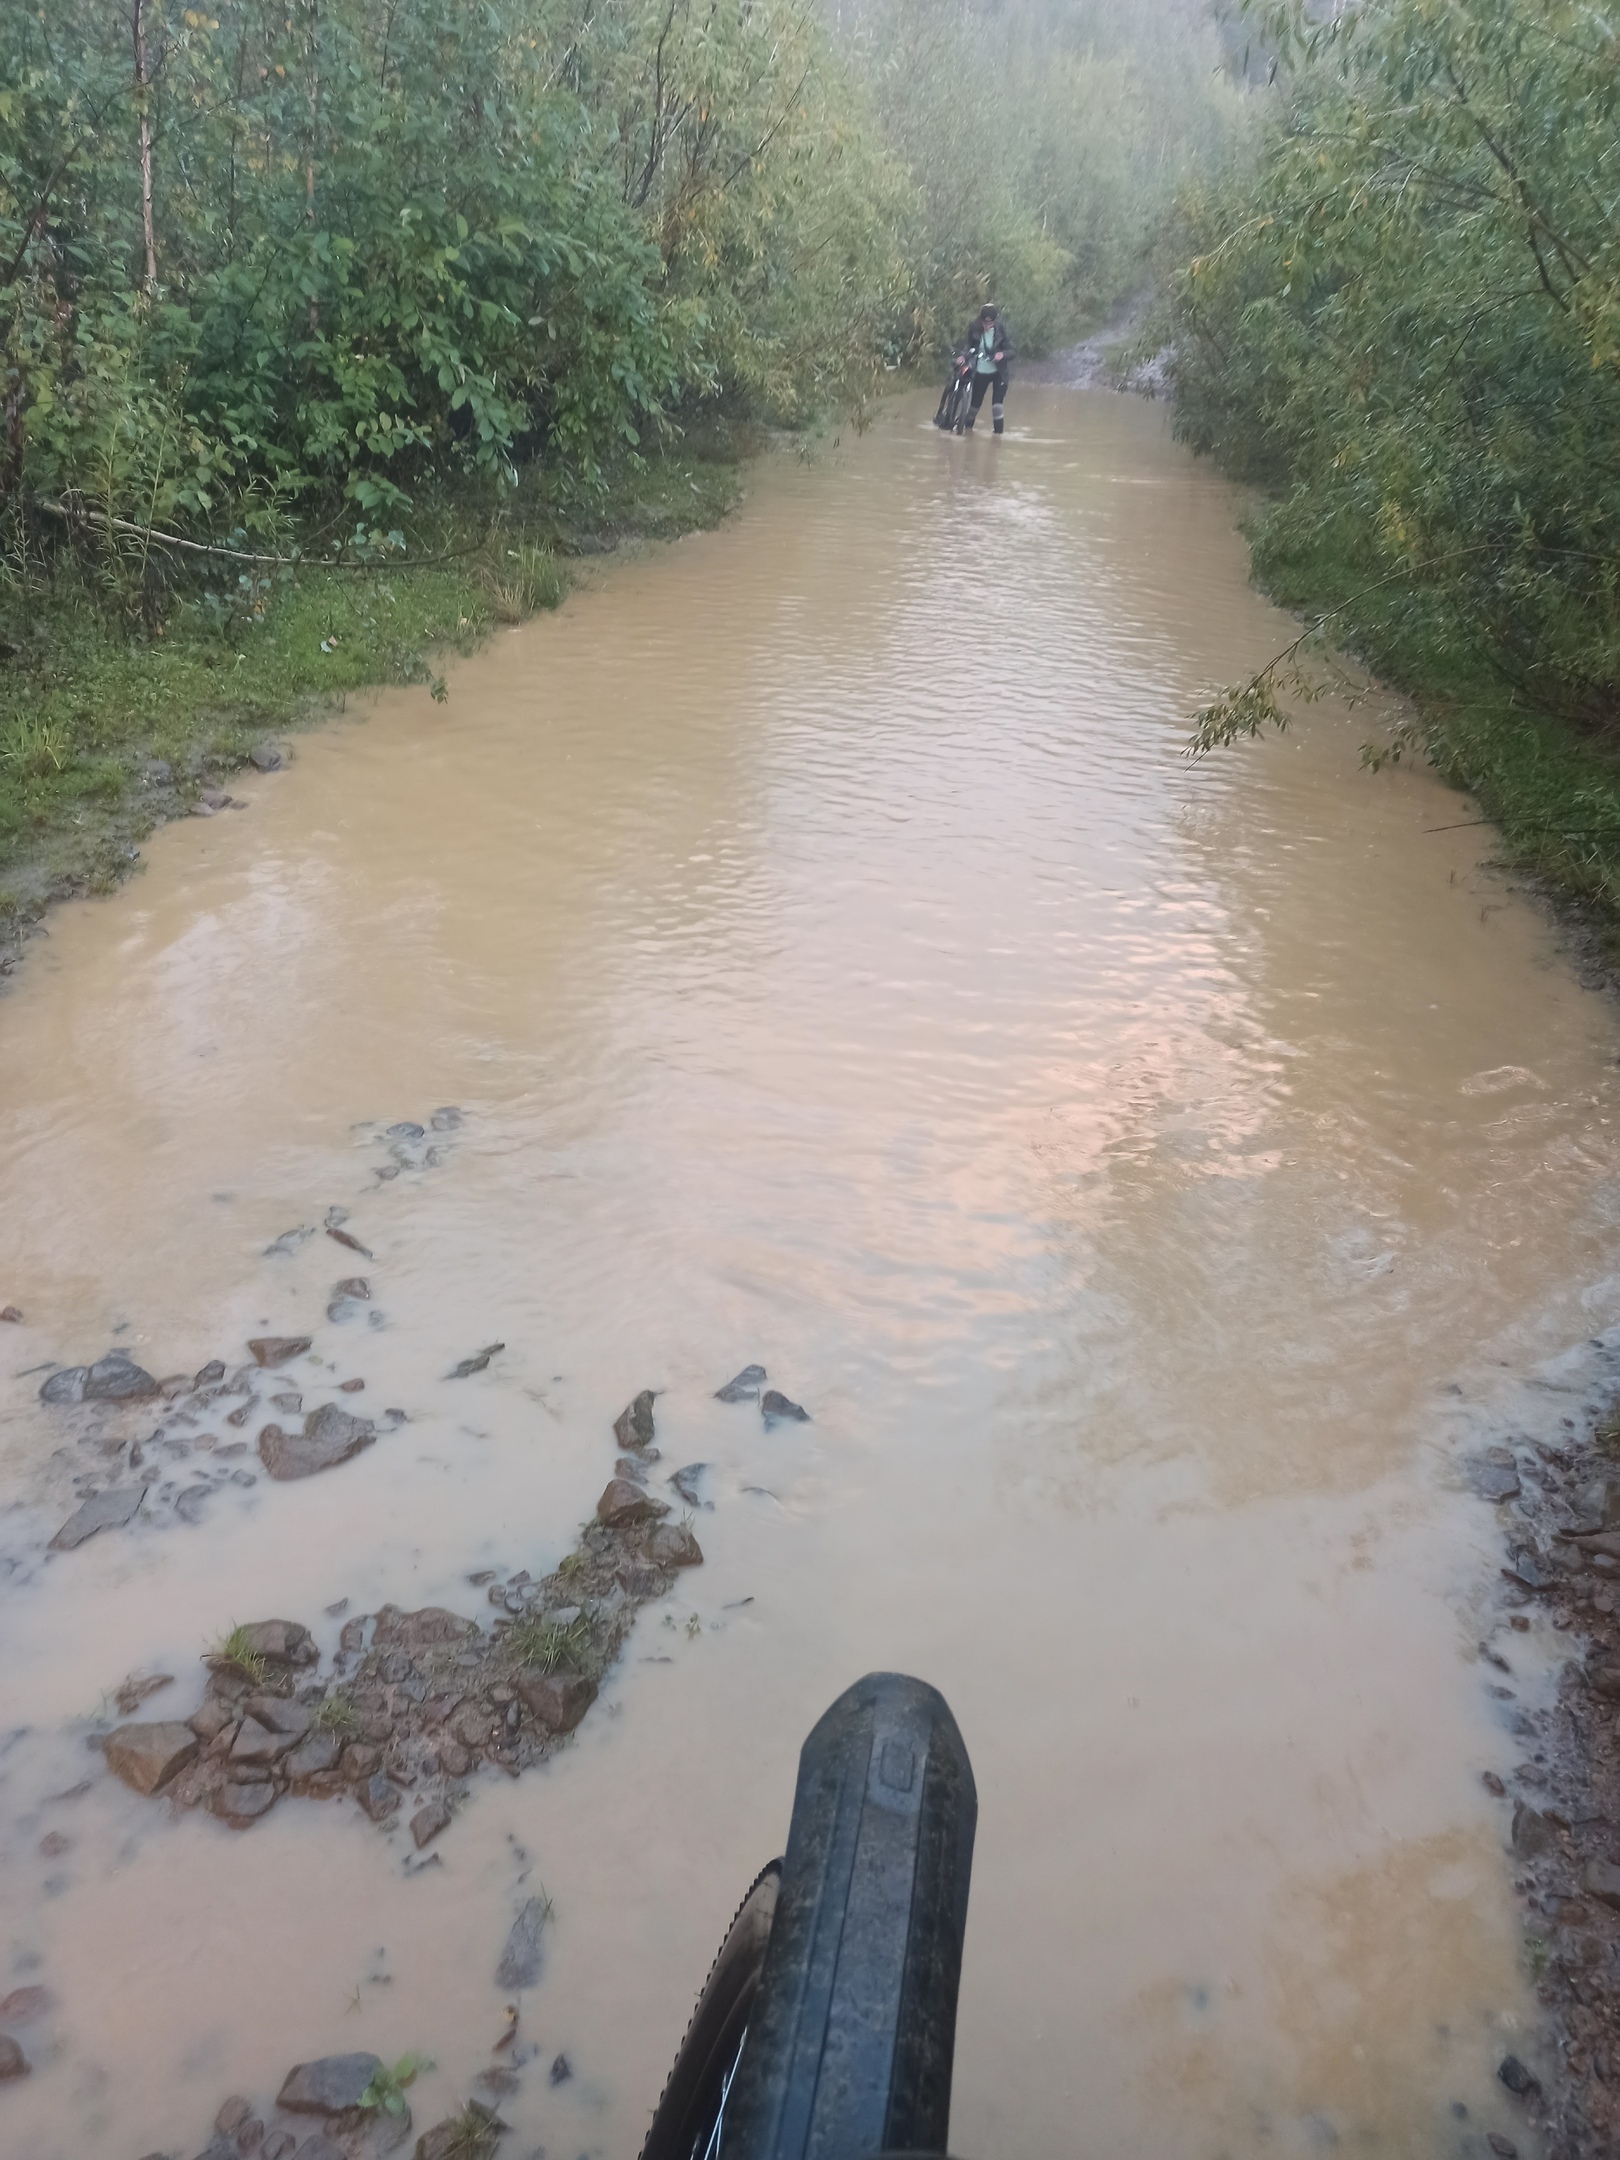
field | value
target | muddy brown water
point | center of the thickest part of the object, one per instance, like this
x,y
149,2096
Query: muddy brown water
x,y
1154,1178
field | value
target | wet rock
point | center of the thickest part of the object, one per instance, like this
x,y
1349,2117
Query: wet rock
x,y
622,1505
639,1578
133,1691
377,1796
265,757
744,1388
360,1760
147,1756
427,1629
520,1960
319,2147
24,2004
633,1427
404,1130
428,1821
212,1718
291,1403
189,1503
271,1350
1517,2078
1494,1480
446,1120
284,1642
558,1699
1604,1680
351,1387
560,2072
475,1363
109,1510
277,2146
687,1482
12,1313
66,1386
673,1545
1532,1832
117,1378
1504,2148
1601,1879
329,1437
210,1375
314,1756
330,2086
1525,1565
471,2135
256,1746
233,2114
343,1238
775,1408
239,1805
290,1240
1492,1783
13,2062
280,1714
353,1286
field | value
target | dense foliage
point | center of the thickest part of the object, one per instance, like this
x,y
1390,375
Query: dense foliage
x,y
1405,316
273,258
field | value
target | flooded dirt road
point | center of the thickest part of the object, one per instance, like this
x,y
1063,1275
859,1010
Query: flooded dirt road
x,y
1154,1179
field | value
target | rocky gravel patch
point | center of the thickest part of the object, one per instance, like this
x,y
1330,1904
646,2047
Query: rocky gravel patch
x,y
1561,1800
413,1703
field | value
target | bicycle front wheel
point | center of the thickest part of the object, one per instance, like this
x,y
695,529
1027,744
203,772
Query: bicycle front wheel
x,y
691,2109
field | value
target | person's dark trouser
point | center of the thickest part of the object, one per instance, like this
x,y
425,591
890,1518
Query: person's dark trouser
x,y
981,383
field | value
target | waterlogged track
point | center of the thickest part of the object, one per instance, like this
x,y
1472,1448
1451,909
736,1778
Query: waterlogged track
x,y
1153,1178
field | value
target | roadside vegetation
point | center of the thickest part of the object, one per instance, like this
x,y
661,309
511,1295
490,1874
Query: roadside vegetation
x,y
1398,311
330,329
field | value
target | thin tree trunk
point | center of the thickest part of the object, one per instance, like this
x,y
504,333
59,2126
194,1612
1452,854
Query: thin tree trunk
x,y
314,126
148,234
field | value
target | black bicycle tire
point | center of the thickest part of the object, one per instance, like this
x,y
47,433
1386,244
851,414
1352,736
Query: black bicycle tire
x,y
690,2101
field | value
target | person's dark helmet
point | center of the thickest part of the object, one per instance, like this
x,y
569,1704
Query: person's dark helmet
x,y
989,312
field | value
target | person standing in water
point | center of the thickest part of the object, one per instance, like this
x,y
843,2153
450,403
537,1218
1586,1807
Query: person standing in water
x,y
992,350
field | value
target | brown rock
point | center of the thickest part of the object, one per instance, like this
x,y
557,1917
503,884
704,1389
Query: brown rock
x,y
24,2003
1601,1879
281,1714
257,1746
673,1545
639,1578
350,1387
313,1756
117,1378
622,1505
109,1510
424,1630
377,1797
1532,1832
147,1756
633,1427
360,1760
428,1821
454,1760
278,1349
232,2115
284,1642
331,2086
11,1313
473,1724
330,1436
13,2062
240,1805
1604,1680
558,1699
354,1286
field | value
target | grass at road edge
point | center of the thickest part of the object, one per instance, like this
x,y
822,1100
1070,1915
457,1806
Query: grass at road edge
x,y
1551,789
105,733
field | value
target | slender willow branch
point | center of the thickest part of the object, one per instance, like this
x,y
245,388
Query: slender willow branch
x,y
154,536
